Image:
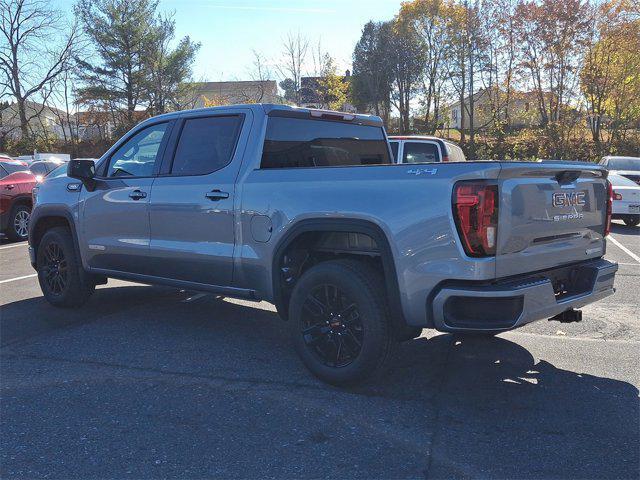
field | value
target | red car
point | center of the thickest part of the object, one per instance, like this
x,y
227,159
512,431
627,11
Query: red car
x,y
16,183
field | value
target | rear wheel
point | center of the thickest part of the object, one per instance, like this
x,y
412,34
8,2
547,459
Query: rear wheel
x,y
60,274
339,322
18,227
631,221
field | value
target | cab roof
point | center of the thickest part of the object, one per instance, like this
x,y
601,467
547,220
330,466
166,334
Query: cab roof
x,y
272,109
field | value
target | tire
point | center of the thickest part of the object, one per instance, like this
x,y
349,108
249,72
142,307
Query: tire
x,y
631,221
18,226
342,307
62,279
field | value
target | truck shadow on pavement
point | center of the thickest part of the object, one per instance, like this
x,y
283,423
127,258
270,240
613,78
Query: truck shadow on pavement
x,y
162,386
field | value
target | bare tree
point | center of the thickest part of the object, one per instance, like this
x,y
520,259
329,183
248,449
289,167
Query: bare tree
x,y
30,59
260,73
295,47
64,95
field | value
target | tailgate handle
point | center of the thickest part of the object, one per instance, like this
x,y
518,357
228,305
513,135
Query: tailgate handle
x,y
567,176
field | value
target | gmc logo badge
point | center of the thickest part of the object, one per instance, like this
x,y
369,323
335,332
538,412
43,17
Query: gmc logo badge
x,y
568,199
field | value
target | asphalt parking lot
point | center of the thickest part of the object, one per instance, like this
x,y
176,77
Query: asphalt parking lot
x,y
153,382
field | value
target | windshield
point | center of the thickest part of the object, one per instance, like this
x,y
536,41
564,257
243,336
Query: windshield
x,y
39,168
623,164
61,170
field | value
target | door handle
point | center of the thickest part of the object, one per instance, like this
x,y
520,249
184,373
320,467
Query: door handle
x,y
10,187
137,194
216,195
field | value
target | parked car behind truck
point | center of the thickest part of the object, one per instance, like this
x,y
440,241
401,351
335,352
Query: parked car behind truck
x,y
16,183
424,149
305,209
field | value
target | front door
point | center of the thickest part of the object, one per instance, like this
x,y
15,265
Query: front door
x,y
115,215
191,207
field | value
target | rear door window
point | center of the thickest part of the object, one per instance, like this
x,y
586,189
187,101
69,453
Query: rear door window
x,y
299,143
420,152
206,144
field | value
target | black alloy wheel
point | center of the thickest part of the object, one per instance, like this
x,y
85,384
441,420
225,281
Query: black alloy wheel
x,y
62,280
331,326
339,322
55,268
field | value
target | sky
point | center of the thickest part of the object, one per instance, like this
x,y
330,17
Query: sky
x,y
230,30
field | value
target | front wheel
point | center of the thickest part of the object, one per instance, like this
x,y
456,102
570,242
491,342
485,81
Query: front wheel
x,y
339,322
60,274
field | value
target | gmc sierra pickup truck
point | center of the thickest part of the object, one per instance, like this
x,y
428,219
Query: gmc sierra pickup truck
x,y
305,209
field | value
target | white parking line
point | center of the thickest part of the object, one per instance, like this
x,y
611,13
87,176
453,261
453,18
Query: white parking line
x,y
14,245
18,278
624,249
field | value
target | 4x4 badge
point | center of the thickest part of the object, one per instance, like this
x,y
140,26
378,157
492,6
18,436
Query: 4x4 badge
x,y
422,171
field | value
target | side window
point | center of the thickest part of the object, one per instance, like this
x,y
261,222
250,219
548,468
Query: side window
x,y
206,145
420,153
138,155
394,150
3,172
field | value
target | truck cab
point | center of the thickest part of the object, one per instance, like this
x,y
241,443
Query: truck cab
x,y
424,149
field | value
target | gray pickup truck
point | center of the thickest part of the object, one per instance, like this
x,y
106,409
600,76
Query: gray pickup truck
x,y
305,209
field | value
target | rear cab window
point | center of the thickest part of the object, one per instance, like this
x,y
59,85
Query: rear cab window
x,y
302,143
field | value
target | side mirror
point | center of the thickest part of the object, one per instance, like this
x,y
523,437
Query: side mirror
x,y
83,170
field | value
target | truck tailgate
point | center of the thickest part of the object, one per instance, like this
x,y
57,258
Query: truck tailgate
x,y
550,214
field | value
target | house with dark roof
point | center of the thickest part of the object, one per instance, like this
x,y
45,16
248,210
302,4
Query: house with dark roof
x,y
209,94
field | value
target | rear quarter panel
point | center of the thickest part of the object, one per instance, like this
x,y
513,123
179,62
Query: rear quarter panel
x,y
410,203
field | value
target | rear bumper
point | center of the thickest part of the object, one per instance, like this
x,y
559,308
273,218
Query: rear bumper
x,y
511,303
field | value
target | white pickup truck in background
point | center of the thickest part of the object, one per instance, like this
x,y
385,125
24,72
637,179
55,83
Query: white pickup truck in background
x,y
424,149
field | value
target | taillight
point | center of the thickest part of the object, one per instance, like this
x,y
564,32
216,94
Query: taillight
x,y
475,210
617,196
607,226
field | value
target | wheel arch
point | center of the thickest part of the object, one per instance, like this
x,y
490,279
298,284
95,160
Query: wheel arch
x,y
22,200
343,225
46,217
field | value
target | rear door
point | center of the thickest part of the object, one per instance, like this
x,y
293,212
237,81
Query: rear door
x,y
191,208
550,215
